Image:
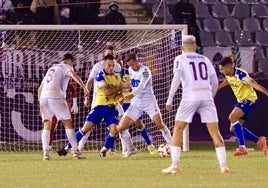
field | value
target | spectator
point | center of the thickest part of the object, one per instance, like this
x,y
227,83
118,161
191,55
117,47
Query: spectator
x,y
114,17
184,13
84,11
21,14
45,12
7,6
4,18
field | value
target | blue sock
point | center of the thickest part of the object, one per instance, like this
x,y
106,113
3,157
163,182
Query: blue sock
x,y
239,134
109,141
112,147
145,135
249,135
79,135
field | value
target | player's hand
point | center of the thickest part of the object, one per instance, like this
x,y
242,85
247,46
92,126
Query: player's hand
x,y
128,97
87,102
74,108
168,107
126,85
118,97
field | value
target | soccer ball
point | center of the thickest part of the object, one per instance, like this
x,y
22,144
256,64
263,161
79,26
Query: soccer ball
x,y
163,150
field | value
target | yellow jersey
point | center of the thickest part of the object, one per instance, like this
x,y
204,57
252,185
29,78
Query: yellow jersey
x,y
106,80
239,83
126,78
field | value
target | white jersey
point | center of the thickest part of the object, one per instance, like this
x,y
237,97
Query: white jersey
x,y
196,71
141,82
55,82
96,70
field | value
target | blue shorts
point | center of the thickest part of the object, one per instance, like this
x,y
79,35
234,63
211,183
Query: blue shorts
x,y
126,106
103,112
246,106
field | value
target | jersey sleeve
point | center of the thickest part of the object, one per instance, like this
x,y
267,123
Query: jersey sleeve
x,y
93,72
100,81
67,69
177,65
243,76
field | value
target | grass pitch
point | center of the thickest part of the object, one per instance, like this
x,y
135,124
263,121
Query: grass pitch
x,y
198,168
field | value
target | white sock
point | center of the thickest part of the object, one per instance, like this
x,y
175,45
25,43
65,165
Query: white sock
x,y
72,138
45,139
221,155
82,142
166,134
175,155
126,141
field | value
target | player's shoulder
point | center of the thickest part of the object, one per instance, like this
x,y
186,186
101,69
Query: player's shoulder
x,y
100,76
97,65
241,73
117,67
145,71
63,67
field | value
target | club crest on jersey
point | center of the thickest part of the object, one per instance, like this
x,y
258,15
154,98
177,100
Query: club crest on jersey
x,y
145,74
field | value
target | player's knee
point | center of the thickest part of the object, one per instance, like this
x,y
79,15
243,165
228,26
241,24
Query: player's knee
x,y
139,125
232,118
88,126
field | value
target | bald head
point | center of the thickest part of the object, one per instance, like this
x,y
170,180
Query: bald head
x,y
189,43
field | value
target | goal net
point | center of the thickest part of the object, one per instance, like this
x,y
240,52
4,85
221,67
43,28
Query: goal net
x,y
28,51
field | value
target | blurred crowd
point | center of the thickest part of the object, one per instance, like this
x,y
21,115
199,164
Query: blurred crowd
x,y
58,12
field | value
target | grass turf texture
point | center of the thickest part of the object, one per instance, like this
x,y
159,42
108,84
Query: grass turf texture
x,y
198,168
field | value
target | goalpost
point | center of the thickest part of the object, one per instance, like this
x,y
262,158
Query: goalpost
x,y
27,51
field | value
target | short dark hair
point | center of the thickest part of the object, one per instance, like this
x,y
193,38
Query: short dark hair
x,y
225,61
109,47
108,57
131,56
68,56
55,62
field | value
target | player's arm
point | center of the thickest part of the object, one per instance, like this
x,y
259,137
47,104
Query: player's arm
x,y
174,87
71,87
78,80
89,84
110,90
214,84
223,84
116,89
40,90
258,87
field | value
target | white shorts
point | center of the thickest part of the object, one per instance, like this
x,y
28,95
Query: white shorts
x,y
206,109
135,111
54,107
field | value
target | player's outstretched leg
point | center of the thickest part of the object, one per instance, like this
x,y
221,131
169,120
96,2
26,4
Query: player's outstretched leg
x,y
260,141
83,141
163,128
109,141
64,151
128,148
144,133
